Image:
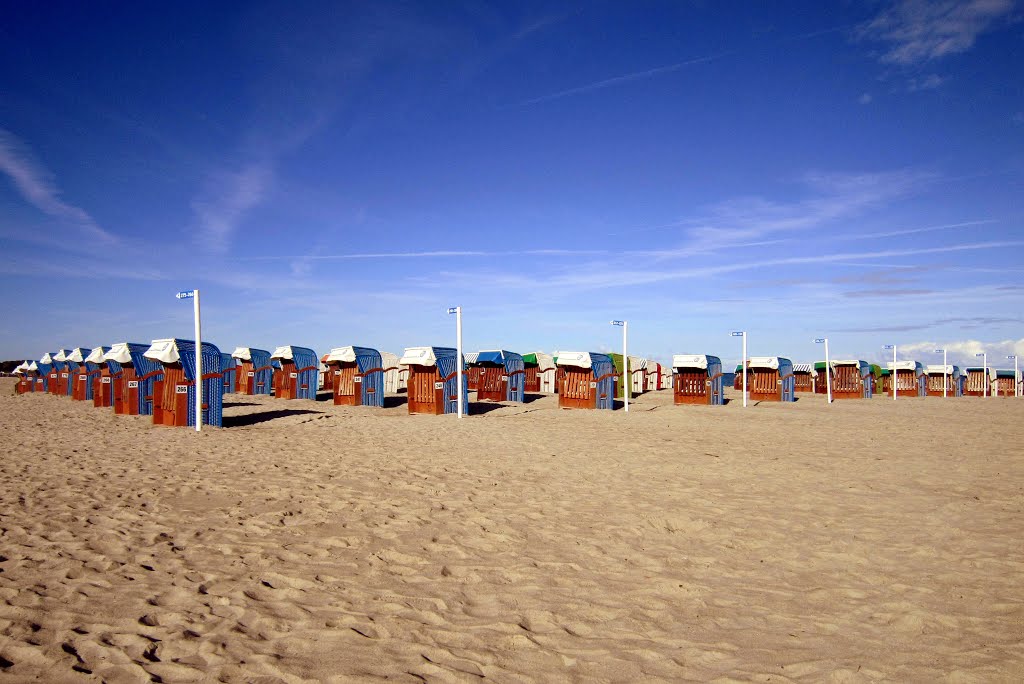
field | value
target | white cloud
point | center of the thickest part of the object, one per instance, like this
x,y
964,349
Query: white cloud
x,y
964,352
918,31
35,184
755,221
865,99
228,197
929,82
619,80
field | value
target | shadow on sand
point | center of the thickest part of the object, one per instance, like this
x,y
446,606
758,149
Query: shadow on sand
x,y
255,418
395,402
479,408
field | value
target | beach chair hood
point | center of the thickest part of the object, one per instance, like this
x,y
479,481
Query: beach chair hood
x,y
575,359
419,356
701,361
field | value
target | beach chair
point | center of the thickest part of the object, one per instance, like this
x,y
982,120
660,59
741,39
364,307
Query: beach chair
x,y
804,375
228,373
770,379
132,378
80,377
1005,382
698,379
588,380
100,378
538,373
357,376
298,378
501,376
174,391
851,379
254,373
389,361
62,375
909,377
26,384
433,382
939,376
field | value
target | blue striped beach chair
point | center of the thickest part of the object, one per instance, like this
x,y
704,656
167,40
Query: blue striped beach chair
x,y
357,376
174,394
299,377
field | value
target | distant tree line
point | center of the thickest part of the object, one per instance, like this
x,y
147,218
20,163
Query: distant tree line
x,y
9,366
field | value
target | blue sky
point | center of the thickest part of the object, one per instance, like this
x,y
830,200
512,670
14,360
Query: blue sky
x,y
340,173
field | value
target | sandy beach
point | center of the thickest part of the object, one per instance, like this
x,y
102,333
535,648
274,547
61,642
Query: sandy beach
x,y
866,541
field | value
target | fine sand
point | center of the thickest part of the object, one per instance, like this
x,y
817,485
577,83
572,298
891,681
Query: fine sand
x,y
867,541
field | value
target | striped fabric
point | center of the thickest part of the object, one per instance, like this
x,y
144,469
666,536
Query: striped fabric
x,y
604,372
147,371
91,369
43,373
515,369
370,367
307,365
71,368
228,370
213,388
448,365
263,371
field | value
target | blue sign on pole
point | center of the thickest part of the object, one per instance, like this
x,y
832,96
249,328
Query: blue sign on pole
x,y
819,340
888,346
737,334
186,294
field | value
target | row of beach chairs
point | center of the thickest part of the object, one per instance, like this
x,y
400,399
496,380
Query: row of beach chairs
x,y
159,378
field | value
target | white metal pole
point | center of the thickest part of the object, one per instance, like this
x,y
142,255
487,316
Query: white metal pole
x,y
199,364
744,369
1016,377
458,353
945,381
988,391
828,372
625,362
894,373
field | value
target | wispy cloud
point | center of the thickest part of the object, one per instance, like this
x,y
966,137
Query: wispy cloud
x,y
929,82
885,293
229,196
755,220
913,231
918,31
604,278
425,255
620,80
36,185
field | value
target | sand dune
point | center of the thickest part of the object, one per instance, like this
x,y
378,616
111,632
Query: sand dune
x,y
870,540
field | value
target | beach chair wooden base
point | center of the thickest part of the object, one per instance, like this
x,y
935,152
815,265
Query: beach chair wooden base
x,y
347,392
102,390
491,384
692,388
425,390
578,390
